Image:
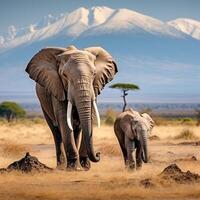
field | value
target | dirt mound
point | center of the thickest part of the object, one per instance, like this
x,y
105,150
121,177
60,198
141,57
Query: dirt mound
x,y
27,164
174,173
154,138
171,174
197,143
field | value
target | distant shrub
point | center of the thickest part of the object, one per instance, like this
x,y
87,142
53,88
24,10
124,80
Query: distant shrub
x,y
11,110
110,116
186,134
187,121
38,120
160,121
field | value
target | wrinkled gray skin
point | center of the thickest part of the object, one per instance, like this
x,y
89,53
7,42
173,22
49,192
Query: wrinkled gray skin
x,y
64,75
132,130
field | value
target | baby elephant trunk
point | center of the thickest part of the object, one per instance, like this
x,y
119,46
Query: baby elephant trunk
x,y
144,146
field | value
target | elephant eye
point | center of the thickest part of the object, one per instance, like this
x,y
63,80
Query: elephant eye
x,y
94,73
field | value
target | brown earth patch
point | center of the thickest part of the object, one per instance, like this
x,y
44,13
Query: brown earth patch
x,y
174,173
171,174
190,158
196,143
109,149
154,138
26,165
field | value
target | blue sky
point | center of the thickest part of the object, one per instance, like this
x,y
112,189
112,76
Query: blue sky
x,y
23,12
166,84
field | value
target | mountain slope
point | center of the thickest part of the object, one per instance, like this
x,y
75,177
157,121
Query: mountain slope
x,y
124,20
97,21
189,26
146,50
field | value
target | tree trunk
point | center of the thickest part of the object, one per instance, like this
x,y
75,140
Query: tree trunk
x,y
124,99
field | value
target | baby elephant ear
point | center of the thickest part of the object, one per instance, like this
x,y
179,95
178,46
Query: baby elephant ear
x,y
106,68
43,69
149,121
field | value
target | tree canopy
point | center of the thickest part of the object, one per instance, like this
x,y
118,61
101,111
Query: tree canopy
x,y
125,86
11,110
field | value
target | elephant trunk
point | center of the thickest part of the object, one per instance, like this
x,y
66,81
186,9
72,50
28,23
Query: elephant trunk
x,y
144,146
84,107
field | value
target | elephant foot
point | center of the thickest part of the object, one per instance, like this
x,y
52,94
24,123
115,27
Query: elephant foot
x,y
61,162
85,163
73,165
139,165
60,166
130,165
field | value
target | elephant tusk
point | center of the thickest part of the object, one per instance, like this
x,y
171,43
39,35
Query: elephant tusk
x,y
69,112
97,113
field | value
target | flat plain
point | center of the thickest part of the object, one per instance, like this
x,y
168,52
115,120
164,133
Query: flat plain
x,y
107,179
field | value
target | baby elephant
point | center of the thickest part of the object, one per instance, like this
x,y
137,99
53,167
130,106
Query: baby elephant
x,y
132,130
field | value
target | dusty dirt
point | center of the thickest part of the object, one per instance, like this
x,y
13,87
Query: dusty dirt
x,y
189,158
108,178
27,164
193,143
171,174
154,137
174,173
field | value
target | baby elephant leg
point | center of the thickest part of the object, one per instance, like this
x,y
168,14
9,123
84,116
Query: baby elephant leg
x,y
130,147
138,155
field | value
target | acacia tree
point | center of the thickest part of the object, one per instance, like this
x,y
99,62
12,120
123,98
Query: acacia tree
x,y
125,87
11,110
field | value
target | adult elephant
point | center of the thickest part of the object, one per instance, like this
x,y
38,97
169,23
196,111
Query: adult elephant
x,y
68,81
132,130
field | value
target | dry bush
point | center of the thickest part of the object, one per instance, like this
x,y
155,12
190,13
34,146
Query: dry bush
x,y
11,149
38,120
110,116
186,134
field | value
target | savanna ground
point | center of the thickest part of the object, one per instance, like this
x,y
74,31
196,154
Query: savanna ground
x,y
107,179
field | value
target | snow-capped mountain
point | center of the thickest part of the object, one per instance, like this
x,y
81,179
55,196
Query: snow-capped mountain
x,y
163,54
124,20
97,21
189,26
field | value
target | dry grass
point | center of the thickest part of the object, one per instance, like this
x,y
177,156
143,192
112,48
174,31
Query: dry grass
x,y
107,179
186,134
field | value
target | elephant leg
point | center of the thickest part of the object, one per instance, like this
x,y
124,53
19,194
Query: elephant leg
x,y
70,148
77,136
58,141
138,155
121,139
130,146
84,160
69,145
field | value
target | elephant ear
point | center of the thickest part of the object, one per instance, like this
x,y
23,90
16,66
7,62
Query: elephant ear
x,y
43,69
106,68
148,121
127,126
